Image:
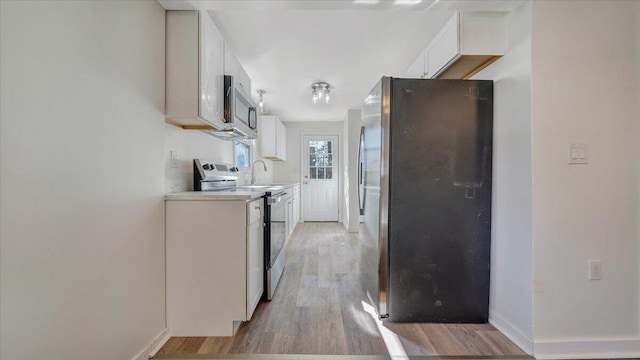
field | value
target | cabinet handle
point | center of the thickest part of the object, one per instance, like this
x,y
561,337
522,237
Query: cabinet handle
x,y
257,207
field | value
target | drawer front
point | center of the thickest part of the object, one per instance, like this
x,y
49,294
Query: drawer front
x,y
254,210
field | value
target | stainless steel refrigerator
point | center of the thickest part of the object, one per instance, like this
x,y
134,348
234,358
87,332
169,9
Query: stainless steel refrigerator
x,y
426,235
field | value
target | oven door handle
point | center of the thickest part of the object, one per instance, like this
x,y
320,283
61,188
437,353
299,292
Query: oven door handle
x,y
275,199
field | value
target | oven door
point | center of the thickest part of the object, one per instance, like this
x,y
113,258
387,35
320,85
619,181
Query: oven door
x,y
274,259
277,231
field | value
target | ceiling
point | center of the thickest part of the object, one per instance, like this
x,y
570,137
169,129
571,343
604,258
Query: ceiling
x,y
287,45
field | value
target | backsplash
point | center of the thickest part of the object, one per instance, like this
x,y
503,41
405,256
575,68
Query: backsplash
x,y
189,145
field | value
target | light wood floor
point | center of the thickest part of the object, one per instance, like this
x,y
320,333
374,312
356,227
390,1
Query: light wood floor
x,y
319,308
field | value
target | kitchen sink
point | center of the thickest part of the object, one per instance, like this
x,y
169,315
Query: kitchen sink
x,y
254,186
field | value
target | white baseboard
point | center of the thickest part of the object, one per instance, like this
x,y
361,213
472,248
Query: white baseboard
x,y
588,348
155,345
510,331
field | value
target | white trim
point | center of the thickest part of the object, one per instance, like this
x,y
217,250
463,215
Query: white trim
x,y
155,345
588,348
159,341
302,152
510,331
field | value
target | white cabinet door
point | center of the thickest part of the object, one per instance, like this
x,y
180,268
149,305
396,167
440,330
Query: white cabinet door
x,y
281,141
445,48
211,69
255,258
272,136
418,70
231,63
244,79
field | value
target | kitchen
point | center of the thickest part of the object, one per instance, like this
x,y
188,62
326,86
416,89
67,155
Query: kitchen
x,y
94,267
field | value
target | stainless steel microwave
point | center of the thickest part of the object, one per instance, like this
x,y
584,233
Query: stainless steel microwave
x,y
239,109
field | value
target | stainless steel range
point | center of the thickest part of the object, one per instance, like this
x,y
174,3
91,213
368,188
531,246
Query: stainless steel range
x,y
213,176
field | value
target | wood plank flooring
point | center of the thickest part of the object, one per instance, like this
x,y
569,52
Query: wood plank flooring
x,y
320,308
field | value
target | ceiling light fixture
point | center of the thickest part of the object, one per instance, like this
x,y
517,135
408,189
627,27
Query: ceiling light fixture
x,y
320,92
262,107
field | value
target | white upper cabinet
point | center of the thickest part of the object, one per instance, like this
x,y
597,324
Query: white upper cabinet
x,y
444,48
418,69
272,138
194,71
467,43
233,67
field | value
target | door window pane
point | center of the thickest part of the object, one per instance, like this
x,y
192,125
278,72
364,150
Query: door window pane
x,y
320,160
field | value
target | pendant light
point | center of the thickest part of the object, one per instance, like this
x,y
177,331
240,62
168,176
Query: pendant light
x,y
262,106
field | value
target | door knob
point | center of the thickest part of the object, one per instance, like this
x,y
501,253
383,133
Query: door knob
x,y
305,182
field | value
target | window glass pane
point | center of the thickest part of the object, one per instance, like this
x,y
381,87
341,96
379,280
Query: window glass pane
x,y
312,160
242,154
328,162
329,146
321,158
329,173
312,147
320,173
322,146
312,173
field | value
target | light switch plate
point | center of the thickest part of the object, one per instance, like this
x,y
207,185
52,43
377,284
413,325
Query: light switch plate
x,y
578,153
174,158
595,270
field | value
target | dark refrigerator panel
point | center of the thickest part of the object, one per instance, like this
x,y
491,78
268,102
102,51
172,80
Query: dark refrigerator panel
x,y
439,200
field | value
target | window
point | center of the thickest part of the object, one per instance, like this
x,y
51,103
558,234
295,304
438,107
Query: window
x,y
242,154
320,159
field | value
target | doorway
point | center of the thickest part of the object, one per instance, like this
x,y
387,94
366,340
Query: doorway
x,y
320,177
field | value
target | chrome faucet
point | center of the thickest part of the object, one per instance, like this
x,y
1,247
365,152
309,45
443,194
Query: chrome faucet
x,y
253,170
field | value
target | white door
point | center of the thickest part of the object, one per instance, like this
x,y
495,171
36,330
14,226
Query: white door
x,y
320,171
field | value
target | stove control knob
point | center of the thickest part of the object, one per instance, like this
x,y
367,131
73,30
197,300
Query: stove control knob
x,y
206,167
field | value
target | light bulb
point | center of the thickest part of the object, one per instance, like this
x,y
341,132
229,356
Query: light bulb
x,y
315,98
326,97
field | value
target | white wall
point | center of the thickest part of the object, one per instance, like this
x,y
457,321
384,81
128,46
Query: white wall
x,y
82,214
352,137
511,299
585,89
193,144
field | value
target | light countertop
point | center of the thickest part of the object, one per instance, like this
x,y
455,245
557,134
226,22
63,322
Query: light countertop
x,y
227,195
231,195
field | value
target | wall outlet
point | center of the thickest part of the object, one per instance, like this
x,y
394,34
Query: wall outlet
x,y
578,153
595,270
173,155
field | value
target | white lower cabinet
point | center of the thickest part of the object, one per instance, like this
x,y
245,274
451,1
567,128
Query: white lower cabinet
x,y
296,205
255,256
214,257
